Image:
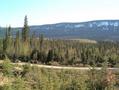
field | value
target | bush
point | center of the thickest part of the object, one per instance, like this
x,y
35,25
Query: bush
x,y
7,67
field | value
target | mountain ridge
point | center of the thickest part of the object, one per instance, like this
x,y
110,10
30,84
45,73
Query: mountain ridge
x,y
96,30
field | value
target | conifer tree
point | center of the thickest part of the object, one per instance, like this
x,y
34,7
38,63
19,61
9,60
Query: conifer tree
x,y
25,39
17,45
50,56
9,31
25,30
41,38
7,41
10,47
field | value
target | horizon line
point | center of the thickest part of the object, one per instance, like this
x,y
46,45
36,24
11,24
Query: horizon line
x,y
61,23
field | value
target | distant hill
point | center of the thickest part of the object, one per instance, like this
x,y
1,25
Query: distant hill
x,y
96,30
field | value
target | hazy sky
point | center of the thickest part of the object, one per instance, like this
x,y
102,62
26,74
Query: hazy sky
x,y
53,11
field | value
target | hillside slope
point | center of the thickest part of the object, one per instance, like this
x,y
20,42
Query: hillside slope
x,y
96,30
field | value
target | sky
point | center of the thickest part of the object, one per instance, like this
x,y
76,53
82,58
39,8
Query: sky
x,y
39,12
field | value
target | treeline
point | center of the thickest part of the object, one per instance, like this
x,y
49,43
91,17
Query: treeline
x,y
29,48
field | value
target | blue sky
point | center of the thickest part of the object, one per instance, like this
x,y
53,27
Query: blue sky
x,y
54,11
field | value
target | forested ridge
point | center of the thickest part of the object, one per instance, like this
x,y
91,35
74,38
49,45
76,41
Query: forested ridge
x,y
30,48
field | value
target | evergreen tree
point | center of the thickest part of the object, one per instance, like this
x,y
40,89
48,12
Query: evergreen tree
x,y
50,56
17,45
10,43
9,31
41,38
25,30
5,42
25,41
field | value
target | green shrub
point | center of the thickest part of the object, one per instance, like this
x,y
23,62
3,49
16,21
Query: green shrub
x,y
7,67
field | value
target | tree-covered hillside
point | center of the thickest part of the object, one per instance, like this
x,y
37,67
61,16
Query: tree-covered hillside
x,y
30,48
104,30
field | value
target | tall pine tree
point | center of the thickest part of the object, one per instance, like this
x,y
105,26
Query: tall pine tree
x,y
25,39
17,45
25,31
